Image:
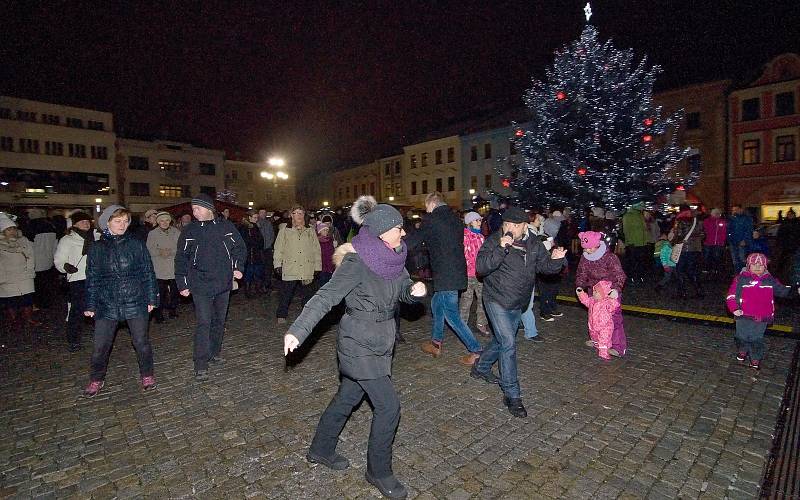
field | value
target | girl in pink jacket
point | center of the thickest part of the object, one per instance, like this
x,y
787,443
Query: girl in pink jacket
x,y
603,304
751,300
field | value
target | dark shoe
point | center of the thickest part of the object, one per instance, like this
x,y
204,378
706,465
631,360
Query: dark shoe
x,y
74,347
515,407
201,375
398,337
537,338
390,487
557,314
487,377
93,388
547,317
281,321
336,462
741,356
217,360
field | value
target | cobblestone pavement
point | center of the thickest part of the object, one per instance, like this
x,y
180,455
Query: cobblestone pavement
x,y
678,417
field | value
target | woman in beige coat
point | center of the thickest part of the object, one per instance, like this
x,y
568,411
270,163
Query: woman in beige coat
x,y
162,243
17,271
297,257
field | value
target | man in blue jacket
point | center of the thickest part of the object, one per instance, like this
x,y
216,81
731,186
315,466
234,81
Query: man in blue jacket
x,y
740,236
210,254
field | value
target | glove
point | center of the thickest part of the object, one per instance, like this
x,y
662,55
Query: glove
x,y
69,268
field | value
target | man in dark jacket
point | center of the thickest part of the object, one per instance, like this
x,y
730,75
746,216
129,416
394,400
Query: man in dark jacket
x,y
268,233
443,234
210,254
740,236
508,262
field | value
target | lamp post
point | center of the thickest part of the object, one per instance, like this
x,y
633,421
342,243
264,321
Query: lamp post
x,y
275,173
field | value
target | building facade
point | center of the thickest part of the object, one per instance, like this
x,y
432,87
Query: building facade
x,y
154,174
764,169
704,131
391,180
55,156
433,165
260,185
350,183
488,160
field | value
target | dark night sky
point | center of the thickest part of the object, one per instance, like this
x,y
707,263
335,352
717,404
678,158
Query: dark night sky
x,y
318,84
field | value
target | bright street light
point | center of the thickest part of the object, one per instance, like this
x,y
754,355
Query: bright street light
x,y
276,162
282,175
324,203
471,191
98,200
267,175
249,203
391,198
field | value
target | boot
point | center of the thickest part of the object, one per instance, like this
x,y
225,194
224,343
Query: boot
x,y
26,317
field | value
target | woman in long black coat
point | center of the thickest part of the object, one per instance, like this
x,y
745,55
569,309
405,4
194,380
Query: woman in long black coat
x,y
120,286
372,279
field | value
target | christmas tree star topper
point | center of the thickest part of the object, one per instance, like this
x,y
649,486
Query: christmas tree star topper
x,y
587,11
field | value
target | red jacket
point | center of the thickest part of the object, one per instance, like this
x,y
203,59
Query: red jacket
x,y
716,229
472,243
754,295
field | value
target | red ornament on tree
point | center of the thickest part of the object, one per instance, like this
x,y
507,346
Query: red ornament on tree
x,y
519,132
647,138
582,171
506,183
648,122
560,95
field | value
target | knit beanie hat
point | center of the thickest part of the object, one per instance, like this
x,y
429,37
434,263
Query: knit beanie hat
x,y
203,200
163,215
79,216
590,239
322,225
471,217
150,213
102,221
756,258
376,218
6,222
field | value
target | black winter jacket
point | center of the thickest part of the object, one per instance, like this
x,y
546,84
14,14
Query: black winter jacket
x,y
367,330
120,281
443,234
508,279
208,252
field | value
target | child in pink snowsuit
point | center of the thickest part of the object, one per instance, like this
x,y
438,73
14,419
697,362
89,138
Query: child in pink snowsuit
x,y
602,305
599,264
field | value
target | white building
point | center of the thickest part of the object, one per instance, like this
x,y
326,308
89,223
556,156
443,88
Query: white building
x,y
391,173
154,174
487,157
433,166
55,156
260,185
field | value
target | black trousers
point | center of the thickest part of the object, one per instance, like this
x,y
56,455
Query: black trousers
x,y
638,261
385,417
268,269
288,289
168,292
105,331
211,312
548,289
75,308
44,284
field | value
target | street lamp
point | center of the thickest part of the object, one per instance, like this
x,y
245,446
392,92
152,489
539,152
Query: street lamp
x,y
267,175
276,162
325,203
391,198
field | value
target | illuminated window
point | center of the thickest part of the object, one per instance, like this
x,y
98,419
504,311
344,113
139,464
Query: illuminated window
x,y
751,152
784,148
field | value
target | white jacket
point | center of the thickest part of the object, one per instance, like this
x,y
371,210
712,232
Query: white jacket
x,y
69,250
17,268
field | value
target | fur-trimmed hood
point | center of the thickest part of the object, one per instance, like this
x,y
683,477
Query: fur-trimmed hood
x,y
341,251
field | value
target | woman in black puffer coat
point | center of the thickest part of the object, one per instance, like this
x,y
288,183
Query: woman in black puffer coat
x,y
120,286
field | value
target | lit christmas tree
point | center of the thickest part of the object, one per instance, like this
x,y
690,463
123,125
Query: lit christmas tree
x,y
595,137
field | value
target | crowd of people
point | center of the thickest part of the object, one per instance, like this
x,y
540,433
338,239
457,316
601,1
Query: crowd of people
x,y
372,259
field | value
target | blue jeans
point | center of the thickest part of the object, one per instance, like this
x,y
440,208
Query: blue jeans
x,y
444,307
502,348
529,321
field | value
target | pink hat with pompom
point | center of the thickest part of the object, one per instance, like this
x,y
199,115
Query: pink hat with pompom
x,y
757,258
590,239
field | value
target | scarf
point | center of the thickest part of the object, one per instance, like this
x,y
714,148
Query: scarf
x,y
476,231
88,239
386,262
597,254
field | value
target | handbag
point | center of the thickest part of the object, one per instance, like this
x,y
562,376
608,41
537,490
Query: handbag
x,y
675,255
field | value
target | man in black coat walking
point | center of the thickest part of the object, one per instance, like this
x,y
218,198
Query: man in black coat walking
x,y
443,234
210,254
